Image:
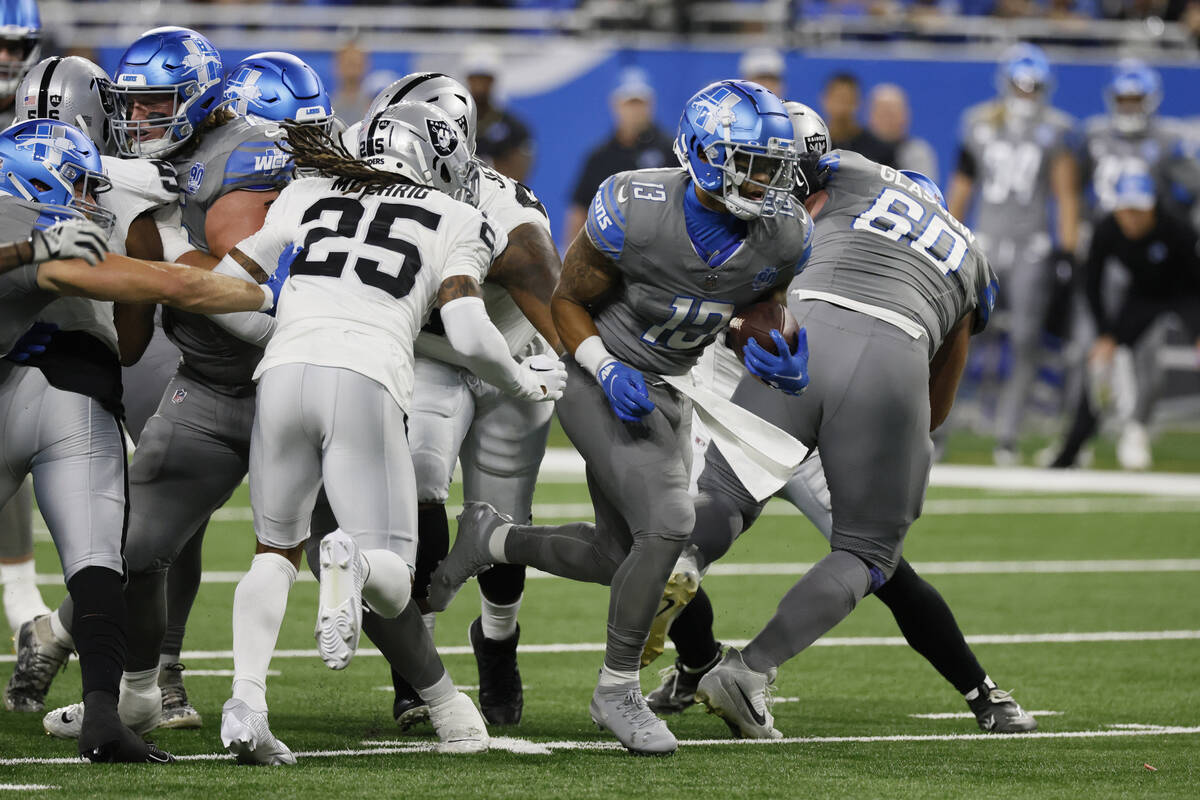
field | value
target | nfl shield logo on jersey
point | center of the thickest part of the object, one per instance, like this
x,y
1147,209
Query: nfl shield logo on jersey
x,y
195,178
179,396
443,138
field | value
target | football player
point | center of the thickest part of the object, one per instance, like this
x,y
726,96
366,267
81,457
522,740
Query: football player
x,y
1016,154
665,257
336,381
77,461
923,616
499,440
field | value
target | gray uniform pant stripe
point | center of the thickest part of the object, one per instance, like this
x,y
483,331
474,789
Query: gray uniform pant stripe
x,y
317,424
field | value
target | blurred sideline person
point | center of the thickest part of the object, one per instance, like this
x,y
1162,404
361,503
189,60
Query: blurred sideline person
x,y
841,100
1159,251
1016,155
503,139
765,67
636,143
889,118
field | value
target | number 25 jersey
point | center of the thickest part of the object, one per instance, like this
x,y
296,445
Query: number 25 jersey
x,y
885,248
368,274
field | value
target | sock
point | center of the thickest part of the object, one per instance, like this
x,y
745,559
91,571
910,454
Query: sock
x,y
141,681
167,659
22,600
496,543
440,691
388,586
692,633
259,604
433,542
430,622
406,645
821,599
613,677
929,626
137,690
503,584
499,622
987,684
99,628
61,634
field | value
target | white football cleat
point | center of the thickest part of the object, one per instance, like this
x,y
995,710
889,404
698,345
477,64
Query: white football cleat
x,y
740,696
65,722
245,734
140,713
459,726
339,615
1133,447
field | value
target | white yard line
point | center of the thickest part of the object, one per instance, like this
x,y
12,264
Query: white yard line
x,y
26,787
969,715
223,673
531,747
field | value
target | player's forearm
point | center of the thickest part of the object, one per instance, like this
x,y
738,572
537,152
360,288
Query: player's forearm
x,y
1065,183
15,254
482,346
945,372
959,197
587,278
528,270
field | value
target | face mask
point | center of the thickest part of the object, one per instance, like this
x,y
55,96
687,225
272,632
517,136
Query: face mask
x,y
1021,108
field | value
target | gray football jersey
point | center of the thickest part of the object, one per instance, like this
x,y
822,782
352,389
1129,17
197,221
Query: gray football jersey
x,y
21,301
1160,150
881,242
1012,161
671,303
238,155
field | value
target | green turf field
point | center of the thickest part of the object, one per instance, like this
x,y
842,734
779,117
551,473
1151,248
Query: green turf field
x,y
1117,704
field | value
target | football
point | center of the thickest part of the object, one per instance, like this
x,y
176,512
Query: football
x,y
757,322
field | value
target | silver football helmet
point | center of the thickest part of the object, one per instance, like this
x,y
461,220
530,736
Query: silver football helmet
x,y
437,89
812,134
73,90
425,145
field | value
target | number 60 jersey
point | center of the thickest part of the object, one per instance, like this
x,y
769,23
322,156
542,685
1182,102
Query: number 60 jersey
x,y
368,274
886,248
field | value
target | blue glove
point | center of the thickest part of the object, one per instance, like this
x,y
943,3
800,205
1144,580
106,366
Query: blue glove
x,y
32,342
787,372
626,391
282,271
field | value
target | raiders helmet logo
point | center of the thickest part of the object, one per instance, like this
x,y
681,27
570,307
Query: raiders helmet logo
x,y
443,137
815,143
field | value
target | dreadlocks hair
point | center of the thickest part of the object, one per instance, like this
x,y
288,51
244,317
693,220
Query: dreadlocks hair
x,y
314,148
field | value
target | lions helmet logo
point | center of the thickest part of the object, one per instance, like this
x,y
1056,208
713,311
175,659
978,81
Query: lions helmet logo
x,y
442,136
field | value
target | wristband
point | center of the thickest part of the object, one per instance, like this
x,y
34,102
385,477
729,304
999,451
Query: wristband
x,y
592,354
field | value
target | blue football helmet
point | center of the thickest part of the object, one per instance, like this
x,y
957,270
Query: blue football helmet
x,y
21,32
174,62
56,165
736,141
1026,69
278,86
926,183
1133,95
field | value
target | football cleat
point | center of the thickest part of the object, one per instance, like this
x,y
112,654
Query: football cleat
x,y
339,615
247,736
104,739
459,726
408,709
740,696
501,697
65,722
1006,455
39,658
622,711
469,556
177,711
141,715
680,589
997,712
1133,447
677,692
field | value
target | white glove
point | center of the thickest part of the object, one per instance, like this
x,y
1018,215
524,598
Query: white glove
x,y
74,238
544,376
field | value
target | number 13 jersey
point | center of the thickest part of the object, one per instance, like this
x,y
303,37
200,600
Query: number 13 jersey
x,y
885,248
368,273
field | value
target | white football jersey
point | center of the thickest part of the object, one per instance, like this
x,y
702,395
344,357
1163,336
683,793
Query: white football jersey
x,y
368,275
138,186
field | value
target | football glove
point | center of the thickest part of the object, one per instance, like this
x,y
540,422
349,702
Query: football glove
x,y
32,342
811,175
74,238
626,390
787,372
275,282
549,376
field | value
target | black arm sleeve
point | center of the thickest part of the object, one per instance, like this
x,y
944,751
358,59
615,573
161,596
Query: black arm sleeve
x,y
966,163
1093,273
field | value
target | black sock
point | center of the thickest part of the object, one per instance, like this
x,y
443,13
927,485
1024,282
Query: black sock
x,y
1083,427
929,626
503,584
433,542
98,628
692,633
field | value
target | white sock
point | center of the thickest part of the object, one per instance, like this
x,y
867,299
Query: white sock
x,y
22,600
388,587
139,696
496,543
259,603
430,621
612,677
439,692
140,681
59,630
987,682
498,622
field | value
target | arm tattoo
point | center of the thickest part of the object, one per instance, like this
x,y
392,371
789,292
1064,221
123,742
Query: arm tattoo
x,y
249,264
457,286
588,275
529,264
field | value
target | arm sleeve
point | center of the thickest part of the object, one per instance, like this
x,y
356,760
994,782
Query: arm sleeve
x,y
473,335
175,242
966,163
1093,274
986,288
605,223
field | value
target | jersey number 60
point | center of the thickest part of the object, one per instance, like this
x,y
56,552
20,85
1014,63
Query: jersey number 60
x,y
896,215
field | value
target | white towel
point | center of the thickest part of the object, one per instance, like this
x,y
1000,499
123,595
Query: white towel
x,y
762,455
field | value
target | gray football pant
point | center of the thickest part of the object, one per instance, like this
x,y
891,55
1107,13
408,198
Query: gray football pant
x,y
867,408
16,524
76,453
325,424
637,475
1026,288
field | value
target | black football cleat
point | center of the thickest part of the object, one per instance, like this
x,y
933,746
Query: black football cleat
x,y
997,712
501,697
408,709
104,739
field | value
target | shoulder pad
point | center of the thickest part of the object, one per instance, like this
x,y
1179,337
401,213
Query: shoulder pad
x,y
255,160
152,181
606,215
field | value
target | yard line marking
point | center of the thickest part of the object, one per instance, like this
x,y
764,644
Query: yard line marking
x,y
1048,567
969,715
390,688
828,641
531,747
224,673
26,787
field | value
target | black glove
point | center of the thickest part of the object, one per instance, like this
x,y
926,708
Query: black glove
x,y
811,175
